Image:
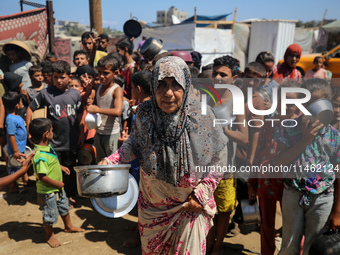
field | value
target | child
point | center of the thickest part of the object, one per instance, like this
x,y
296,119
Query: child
x,y
103,42
225,72
288,68
47,72
13,82
88,94
126,106
65,110
90,46
109,99
310,200
50,186
336,108
37,80
269,190
317,71
52,57
80,58
75,83
125,49
16,132
20,56
267,60
96,79
329,73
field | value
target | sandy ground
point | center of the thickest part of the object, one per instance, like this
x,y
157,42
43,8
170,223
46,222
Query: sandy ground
x,y
21,230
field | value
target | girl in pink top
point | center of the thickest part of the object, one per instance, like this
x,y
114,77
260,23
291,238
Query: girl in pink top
x,y
317,71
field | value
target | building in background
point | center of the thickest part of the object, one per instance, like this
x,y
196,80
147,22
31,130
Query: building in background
x,y
171,16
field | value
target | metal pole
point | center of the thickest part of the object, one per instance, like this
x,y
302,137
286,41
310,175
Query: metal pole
x,y
21,6
96,15
50,26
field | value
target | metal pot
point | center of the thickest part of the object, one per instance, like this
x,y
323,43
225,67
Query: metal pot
x,y
102,180
132,28
151,47
250,211
87,154
322,110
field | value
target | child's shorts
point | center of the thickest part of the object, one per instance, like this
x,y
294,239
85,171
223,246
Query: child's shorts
x,y
53,205
225,195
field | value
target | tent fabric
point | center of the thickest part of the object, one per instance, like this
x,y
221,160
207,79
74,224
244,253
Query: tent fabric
x,y
242,33
25,26
304,38
333,27
205,18
273,36
211,43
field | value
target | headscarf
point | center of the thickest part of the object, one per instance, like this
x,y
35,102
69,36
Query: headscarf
x,y
173,144
284,70
12,80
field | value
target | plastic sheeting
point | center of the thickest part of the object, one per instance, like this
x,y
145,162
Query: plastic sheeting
x,y
273,36
211,43
333,27
242,33
304,38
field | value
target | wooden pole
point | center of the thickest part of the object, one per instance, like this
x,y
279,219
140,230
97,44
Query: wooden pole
x,y
96,15
50,26
323,19
195,15
235,13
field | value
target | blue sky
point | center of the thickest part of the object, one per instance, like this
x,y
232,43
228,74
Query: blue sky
x,y
115,13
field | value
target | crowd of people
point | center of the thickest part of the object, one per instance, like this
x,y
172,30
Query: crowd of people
x,y
151,117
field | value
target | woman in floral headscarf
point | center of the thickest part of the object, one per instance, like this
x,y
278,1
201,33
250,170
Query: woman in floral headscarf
x,y
288,68
172,140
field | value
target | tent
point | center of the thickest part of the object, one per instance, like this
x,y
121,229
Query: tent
x,y
333,27
271,35
211,43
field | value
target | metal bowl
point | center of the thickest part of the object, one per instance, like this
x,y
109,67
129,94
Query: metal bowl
x,y
322,110
251,212
151,47
102,180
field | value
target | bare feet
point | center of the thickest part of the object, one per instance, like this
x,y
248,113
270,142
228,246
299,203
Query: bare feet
x,y
53,242
133,241
74,229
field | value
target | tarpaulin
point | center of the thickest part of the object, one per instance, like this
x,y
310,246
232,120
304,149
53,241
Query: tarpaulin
x,y
211,43
63,49
27,25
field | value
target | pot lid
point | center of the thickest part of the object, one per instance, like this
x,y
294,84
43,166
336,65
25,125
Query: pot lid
x,y
117,206
132,28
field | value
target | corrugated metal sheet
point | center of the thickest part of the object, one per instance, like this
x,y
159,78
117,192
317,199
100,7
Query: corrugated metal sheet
x,y
273,36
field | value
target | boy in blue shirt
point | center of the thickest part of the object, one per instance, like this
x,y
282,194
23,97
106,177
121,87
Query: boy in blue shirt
x,y
16,131
50,186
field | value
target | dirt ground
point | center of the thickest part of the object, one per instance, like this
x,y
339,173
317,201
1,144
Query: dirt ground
x,y
21,230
